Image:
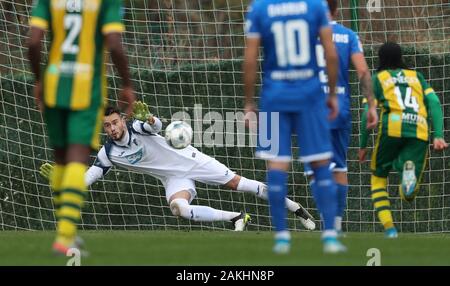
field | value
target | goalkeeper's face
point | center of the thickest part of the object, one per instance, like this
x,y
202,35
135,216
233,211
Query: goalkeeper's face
x,y
114,126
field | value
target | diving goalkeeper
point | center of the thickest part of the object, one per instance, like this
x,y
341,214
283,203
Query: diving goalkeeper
x,y
136,146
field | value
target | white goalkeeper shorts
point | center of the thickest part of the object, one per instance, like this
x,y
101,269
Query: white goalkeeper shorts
x,y
210,173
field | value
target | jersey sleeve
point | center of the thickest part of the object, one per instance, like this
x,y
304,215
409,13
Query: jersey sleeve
x,y
102,161
355,44
40,15
323,16
144,128
434,107
427,89
93,174
252,27
112,20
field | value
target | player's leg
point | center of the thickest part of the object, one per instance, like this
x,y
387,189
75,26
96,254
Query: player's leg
x,y
340,139
410,164
274,145
385,152
259,189
56,179
83,129
179,194
316,149
56,125
216,173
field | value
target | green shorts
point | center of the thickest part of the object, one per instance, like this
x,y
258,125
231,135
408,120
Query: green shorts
x,y
392,153
66,127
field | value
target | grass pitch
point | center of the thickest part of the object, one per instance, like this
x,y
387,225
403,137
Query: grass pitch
x,y
222,248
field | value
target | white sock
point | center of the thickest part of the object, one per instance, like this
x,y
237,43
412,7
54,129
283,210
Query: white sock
x,y
285,235
291,205
260,190
252,186
338,223
202,213
329,234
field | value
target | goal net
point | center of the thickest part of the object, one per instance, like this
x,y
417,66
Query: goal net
x,y
185,56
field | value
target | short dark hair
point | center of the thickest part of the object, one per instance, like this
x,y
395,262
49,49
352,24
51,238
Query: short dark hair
x,y
390,57
111,110
332,5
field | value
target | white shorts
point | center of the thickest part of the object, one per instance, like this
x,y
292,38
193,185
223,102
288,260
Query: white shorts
x,y
211,173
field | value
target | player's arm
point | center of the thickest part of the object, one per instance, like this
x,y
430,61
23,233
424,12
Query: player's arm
x,y
146,122
112,28
146,127
331,59
39,23
363,132
363,129
99,169
435,110
249,70
360,64
252,30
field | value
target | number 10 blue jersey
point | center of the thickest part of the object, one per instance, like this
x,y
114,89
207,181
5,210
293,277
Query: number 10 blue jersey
x,y
288,31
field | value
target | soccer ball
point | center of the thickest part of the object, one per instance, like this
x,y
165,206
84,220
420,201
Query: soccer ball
x,y
178,134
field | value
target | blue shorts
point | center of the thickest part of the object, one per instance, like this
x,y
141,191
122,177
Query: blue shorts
x,y
340,139
275,130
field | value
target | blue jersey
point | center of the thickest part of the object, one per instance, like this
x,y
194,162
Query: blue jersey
x,y
347,43
288,30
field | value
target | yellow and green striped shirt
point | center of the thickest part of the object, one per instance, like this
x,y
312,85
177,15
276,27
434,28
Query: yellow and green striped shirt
x,y
74,77
401,94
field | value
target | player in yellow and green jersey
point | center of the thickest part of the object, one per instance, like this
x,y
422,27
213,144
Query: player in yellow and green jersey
x,y
407,105
71,93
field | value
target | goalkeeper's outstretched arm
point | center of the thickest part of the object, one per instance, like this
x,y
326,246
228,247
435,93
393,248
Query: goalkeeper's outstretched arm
x,y
100,167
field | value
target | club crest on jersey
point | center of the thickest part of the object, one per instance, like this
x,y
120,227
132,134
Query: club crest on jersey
x,y
135,157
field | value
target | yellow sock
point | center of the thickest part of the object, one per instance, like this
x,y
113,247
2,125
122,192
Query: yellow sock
x,y
73,192
55,183
381,201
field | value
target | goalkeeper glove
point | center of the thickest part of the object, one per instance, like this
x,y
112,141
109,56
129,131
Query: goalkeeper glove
x,y
46,170
141,112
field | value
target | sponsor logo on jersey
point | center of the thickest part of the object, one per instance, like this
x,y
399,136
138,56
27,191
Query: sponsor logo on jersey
x,y
135,157
412,118
395,117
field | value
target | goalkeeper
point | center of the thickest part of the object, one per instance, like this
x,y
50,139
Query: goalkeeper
x,y
407,103
138,147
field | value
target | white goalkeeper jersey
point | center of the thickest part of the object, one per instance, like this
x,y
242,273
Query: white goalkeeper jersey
x,y
143,150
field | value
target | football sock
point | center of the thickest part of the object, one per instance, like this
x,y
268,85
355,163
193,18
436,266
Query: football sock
x,y
341,204
73,194
260,190
55,183
277,190
201,213
325,195
381,201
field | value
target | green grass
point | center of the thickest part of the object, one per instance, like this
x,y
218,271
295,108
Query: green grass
x,y
222,248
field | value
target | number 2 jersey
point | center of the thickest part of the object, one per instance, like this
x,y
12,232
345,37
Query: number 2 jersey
x,y
407,103
75,74
288,31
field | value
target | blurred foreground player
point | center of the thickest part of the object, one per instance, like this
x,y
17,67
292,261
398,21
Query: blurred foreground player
x,y
292,101
71,93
